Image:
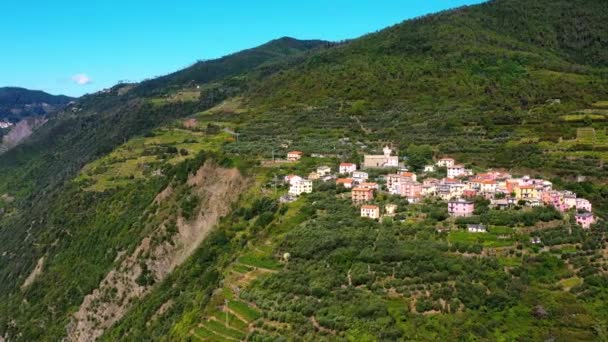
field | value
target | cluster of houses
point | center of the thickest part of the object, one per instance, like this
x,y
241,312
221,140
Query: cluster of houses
x,y
458,189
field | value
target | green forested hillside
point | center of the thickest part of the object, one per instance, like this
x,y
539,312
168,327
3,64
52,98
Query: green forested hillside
x,y
117,186
243,62
500,54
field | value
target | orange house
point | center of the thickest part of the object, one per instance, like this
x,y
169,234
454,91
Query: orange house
x,y
294,155
359,195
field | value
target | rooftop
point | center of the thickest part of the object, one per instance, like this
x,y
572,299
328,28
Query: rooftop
x,y
461,200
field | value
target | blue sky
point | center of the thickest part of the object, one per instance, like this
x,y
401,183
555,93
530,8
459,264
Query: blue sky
x,y
74,47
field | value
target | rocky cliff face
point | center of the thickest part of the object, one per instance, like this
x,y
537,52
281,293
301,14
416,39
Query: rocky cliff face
x,y
21,131
159,253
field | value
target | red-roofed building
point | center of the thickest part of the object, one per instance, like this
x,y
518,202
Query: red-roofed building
x,y
369,185
469,193
294,155
347,168
359,195
346,182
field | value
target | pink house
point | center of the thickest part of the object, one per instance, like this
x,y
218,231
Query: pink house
x,y
411,190
430,181
293,179
460,208
553,198
347,168
469,193
396,179
585,220
410,176
583,204
369,185
569,200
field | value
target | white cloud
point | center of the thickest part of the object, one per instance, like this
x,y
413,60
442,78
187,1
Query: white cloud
x,y
81,79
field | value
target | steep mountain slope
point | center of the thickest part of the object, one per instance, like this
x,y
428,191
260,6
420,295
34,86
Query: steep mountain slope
x,y
239,63
502,53
37,182
18,103
111,179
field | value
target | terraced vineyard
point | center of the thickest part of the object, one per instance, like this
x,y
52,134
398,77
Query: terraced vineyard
x,y
146,156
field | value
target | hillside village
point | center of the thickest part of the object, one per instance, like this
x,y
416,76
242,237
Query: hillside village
x,y
458,188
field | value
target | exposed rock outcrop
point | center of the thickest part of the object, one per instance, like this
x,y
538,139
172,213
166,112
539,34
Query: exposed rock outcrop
x,y
35,273
21,131
154,259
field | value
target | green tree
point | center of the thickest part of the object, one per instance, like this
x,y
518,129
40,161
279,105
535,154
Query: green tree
x,y
419,155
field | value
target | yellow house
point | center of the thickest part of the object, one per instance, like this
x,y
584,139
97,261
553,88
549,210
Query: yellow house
x,y
525,192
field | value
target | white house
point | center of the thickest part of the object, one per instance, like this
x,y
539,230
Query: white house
x,y
360,176
476,228
370,211
488,186
456,171
445,162
583,205
323,170
301,187
347,168
456,189
429,168
390,209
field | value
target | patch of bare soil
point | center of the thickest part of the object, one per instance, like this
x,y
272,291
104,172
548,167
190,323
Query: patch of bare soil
x,y
166,193
35,273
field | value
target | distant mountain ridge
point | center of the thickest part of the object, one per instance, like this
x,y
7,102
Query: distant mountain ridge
x,y
18,103
232,65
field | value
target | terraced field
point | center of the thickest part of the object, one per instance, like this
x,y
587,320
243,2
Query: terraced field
x,y
146,156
